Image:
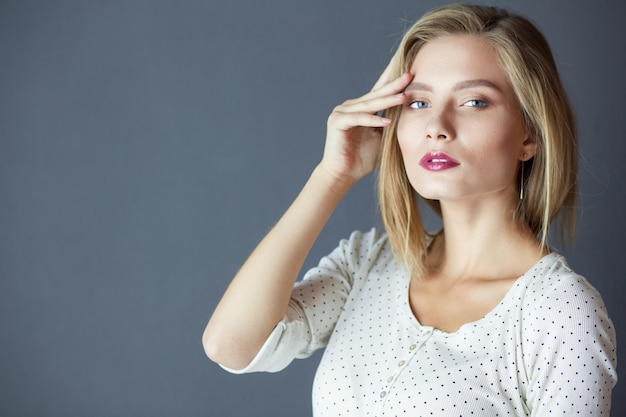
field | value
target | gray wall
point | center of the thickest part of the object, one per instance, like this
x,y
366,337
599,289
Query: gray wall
x,y
146,146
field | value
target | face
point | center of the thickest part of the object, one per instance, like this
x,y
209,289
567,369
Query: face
x,y
461,130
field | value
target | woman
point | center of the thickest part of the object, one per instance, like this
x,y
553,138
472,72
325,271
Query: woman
x,y
481,318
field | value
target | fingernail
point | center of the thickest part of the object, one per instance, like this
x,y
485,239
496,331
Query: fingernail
x,y
385,120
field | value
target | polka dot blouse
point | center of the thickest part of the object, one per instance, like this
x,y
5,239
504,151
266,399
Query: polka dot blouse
x,y
548,348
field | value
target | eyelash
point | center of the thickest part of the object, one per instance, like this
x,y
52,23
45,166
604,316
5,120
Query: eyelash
x,y
480,103
421,104
415,105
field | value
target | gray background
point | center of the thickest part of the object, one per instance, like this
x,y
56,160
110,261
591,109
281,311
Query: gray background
x,y
146,146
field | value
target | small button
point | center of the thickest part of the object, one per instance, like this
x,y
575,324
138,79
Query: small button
x,y
390,378
401,363
412,347
382,394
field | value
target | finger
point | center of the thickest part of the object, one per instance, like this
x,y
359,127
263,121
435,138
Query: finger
x,y
390,88
372,105
347,121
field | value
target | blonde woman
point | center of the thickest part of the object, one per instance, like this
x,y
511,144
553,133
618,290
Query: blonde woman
x,y
481,318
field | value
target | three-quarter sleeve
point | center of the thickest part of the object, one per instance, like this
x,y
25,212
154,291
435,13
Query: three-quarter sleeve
x,y
316,303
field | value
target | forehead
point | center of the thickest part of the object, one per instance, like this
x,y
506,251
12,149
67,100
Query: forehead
x,y
457,58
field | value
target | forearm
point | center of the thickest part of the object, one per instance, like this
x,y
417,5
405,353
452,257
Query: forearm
x,y
257,298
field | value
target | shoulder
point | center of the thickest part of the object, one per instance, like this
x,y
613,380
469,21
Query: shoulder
x,y
369,238
360,252
552,286
561,307
363,246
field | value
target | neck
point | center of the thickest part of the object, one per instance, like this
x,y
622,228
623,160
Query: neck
x,y
483,241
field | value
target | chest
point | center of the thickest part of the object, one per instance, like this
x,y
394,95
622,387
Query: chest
x,y
447,307
381,362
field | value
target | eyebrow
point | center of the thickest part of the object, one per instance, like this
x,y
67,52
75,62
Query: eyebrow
x,y
461,85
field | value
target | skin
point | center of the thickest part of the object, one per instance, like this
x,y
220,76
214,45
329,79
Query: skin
x,y
257,298
461,102
471,264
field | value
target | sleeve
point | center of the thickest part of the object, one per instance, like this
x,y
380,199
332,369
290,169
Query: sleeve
x,y
570,352
315,305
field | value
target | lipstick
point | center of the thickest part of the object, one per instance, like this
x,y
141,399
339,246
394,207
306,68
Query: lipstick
x,y
438,161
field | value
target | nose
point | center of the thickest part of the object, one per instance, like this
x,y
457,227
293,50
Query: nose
x,y
439,126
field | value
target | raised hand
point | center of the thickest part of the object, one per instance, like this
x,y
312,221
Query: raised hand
x,y
258,296
354,129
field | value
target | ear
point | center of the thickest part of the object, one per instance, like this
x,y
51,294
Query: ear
x,y
528,149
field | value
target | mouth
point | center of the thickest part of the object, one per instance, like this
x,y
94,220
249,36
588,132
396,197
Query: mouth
x,y
438,161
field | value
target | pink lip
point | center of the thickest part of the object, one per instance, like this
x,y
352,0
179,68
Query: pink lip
x,y
438,161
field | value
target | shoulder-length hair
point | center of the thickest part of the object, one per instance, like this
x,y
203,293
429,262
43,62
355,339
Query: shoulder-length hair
x,y
549,178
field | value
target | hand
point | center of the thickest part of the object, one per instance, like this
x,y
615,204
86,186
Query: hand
x,y
354,129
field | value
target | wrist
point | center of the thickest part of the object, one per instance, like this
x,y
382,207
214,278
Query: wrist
x,y
337,183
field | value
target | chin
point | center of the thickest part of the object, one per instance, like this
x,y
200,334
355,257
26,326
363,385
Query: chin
x,y
438,189
440,193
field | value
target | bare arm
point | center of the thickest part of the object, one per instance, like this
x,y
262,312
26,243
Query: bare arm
x,y
257,298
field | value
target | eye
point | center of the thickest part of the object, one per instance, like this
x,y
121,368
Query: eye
x,y
418,104
475,103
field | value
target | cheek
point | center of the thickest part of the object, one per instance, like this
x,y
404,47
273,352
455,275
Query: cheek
x,y
497,155
407,153
498,138
497,159
407,139
410,151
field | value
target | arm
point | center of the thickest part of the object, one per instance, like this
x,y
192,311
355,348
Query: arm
x,y
258,296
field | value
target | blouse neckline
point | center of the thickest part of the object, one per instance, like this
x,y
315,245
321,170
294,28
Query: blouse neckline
x,y
469,326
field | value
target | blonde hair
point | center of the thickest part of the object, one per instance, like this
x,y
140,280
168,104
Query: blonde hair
x,y
550,179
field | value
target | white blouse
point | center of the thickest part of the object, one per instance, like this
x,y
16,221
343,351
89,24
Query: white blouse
x,y
548,348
